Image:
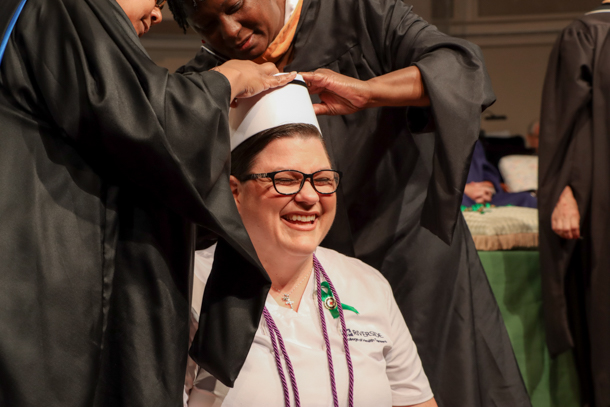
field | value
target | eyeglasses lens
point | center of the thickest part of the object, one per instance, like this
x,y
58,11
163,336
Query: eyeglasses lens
x,y
289,182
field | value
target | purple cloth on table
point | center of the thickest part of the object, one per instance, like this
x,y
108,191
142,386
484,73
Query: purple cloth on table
x,y
482,170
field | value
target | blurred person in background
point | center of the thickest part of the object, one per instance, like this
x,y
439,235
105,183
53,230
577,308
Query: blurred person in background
x,y
574,198
484,185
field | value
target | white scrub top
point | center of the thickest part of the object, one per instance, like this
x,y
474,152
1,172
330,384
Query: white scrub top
x,y
387,368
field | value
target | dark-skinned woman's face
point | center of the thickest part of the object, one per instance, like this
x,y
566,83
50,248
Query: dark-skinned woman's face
x,y
238,29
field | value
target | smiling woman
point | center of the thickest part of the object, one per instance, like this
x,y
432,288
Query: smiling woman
x,y
268,214
284,187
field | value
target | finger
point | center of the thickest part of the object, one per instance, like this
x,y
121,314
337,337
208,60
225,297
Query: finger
x,y
565,229
477,194
575,227
310,78
338,104
555,226
281,80
319,79
270,82
558,227
307,76
318,74
313,83
313,89
266,82
321,109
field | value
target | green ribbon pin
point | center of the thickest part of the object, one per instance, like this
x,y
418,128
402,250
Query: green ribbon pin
x,y
330,303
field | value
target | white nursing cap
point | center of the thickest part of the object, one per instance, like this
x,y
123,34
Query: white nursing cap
x,y
273,108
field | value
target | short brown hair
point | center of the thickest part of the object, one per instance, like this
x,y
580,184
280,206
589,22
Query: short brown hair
x,y
242,158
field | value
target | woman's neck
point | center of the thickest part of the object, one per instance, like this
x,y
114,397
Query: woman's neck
x,y
286,272
288,278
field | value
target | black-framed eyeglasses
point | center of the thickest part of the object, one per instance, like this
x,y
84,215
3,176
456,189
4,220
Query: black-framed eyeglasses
x,y
290,182
160,4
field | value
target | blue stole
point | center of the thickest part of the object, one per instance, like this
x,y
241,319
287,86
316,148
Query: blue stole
x,y
10,27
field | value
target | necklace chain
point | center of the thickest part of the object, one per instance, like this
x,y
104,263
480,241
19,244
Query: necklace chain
x,y
286,297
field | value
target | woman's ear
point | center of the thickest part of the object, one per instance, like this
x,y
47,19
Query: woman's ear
x,y
235,184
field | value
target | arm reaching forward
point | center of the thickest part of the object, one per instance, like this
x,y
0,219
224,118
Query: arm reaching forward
x,y
341,94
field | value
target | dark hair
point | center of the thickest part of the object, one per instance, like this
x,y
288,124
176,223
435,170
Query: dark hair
x,y
180,12
242,158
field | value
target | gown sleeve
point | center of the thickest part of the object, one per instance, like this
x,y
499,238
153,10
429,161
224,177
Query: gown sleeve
x,y
565,160
565,130
459,88
130,118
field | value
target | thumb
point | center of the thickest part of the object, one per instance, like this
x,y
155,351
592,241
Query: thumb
x,y
316,81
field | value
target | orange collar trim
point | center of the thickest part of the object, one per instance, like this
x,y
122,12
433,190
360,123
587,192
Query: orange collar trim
x,y
281,44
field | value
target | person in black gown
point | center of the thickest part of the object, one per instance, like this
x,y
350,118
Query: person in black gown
x,y
575,198
410,99
106,163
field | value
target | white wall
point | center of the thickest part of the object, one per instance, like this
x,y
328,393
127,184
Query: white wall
x,y
517,74
516,48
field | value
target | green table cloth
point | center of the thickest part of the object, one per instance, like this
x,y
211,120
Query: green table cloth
x,y
515,280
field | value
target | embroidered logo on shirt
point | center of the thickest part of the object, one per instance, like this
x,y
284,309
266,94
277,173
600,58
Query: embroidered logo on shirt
x,y
354,335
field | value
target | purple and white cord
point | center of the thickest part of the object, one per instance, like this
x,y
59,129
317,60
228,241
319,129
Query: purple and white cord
x,y
274,333
276,337
350,368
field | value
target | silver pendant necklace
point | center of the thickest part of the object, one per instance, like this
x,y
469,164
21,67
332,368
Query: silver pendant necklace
x,y
286,296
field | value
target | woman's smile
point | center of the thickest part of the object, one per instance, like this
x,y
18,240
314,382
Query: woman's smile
x,y
301,221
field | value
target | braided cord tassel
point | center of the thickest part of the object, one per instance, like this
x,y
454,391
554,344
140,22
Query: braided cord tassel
x,y
348,356
331,369
293,379
278,362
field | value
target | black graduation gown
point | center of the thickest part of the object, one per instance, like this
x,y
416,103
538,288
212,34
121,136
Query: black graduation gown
x,y
396,182
105,163
575,151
